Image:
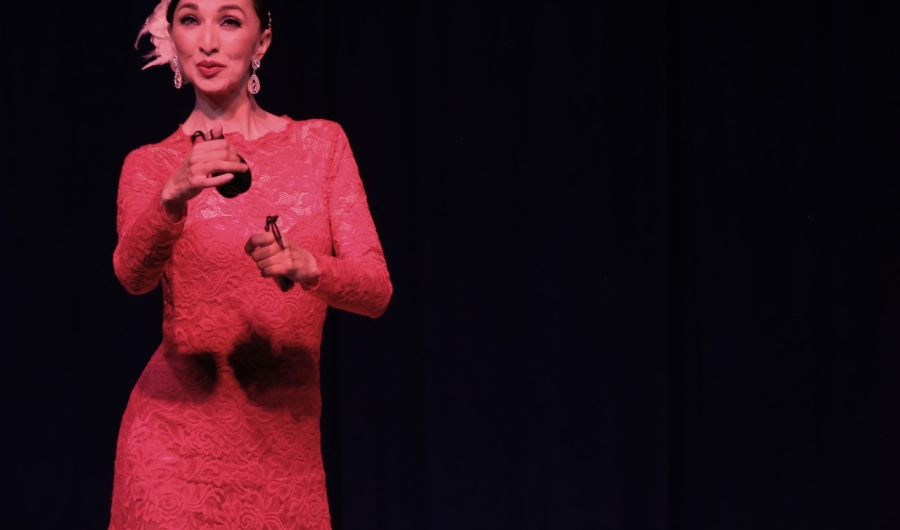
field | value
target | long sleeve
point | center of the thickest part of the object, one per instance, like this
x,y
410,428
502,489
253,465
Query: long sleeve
x,y
356,278
146,234
231,397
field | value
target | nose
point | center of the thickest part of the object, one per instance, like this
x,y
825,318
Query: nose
x,y
209,41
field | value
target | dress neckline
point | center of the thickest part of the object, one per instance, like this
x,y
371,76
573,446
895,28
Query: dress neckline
x,y
239,138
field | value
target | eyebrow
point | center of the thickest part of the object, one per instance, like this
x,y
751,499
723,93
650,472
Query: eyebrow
x,y
228,7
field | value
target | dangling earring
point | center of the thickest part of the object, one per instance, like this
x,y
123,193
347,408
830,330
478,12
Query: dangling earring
x,y
253,83
178,80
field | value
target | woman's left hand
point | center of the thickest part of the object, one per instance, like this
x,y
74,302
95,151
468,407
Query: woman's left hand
x,y
293,261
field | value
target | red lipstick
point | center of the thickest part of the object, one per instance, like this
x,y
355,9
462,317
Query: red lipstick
x,y
209,68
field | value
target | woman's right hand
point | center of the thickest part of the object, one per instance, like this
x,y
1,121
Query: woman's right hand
x,y
195,172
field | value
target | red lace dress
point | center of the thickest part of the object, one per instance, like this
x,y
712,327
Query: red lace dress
x,y
222,428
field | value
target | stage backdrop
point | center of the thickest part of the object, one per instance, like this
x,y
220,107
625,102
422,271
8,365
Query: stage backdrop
x,y
645,257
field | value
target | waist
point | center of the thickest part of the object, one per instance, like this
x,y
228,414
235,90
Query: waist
x,y
253,372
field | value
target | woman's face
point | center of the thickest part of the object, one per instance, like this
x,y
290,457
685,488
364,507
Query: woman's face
x,y
215,41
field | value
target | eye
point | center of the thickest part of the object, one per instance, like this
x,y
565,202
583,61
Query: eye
x,y
188,20
231,21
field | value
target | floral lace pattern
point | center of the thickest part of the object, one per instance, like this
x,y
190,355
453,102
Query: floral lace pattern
x,y
222,428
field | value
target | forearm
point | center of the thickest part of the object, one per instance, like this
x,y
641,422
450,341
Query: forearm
x,y
359,287
145,247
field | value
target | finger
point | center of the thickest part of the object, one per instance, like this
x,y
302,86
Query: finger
x,y
210,181
275,267
265,252
272,272
216,150
233,154
257,240
210,149
261,239
228,152
231,166
217,131
218,166
271,261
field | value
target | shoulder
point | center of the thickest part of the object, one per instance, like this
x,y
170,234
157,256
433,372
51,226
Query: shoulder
x,y
175,142
159,153
319,129
319,125
322,136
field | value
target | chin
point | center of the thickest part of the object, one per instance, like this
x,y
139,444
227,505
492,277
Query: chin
x,y
217,89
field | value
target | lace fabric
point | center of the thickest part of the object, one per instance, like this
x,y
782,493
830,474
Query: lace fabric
x,y
222,428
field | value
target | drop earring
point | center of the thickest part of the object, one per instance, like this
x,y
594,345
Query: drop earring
x,y
253,83
177,80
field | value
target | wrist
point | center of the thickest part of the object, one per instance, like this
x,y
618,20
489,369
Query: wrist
x,y
311,281
175,209
310,277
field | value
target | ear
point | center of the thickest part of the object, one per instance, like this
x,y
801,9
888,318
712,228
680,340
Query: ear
x,y
262,45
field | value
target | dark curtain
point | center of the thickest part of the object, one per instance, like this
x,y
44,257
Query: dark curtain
x,y
645,259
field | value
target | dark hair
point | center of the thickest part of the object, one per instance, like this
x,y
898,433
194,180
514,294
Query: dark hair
x,y
260,6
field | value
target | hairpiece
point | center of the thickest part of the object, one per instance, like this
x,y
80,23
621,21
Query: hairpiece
x,y
158,27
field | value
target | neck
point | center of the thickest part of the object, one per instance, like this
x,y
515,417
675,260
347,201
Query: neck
x,y
236,112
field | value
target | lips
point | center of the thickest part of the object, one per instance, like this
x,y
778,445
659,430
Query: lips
x,y
209,68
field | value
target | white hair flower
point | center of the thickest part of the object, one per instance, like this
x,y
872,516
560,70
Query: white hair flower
x,y
158,28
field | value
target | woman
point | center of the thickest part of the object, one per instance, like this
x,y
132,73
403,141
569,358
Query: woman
x,y
222,428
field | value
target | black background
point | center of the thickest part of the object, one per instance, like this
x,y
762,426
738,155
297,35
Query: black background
x,y
644,256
